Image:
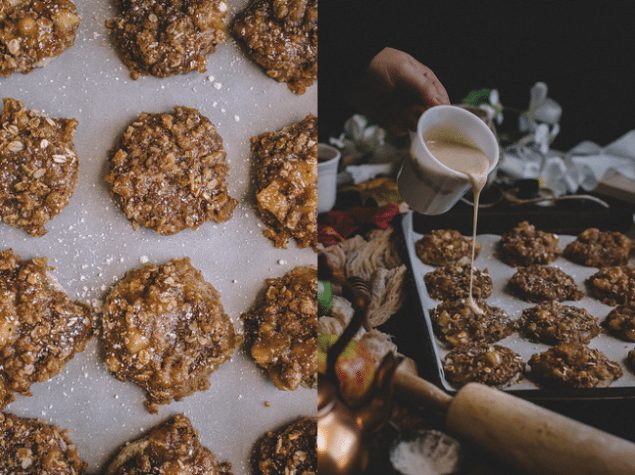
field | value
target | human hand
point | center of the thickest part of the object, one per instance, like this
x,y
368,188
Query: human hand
x,y
397,89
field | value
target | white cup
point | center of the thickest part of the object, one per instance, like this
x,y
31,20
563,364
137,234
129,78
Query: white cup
x,y
328,161
426,184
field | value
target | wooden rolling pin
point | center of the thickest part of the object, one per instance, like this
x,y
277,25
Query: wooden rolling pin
x,y
526,436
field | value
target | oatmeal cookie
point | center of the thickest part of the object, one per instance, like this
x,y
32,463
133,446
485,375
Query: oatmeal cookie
x,y
620,322
281,36
172,447
286,182
456,324
613,285
164,328
169,172
167,37
38,167
30,446
34,31
452,282
493,365
291,449
525,245
574,365
40,327
553,323
282,329
595,248
540,283
441,247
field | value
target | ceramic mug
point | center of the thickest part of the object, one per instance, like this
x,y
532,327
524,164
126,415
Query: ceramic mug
x,y
426,184
328,161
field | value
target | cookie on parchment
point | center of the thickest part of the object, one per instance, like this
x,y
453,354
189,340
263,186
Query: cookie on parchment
x,y
552,323
452,282
494,365
613,285
595,248
525,245
31,446
620,322
172,447
165,329
281,36
290,449
574,365
538,283
441,247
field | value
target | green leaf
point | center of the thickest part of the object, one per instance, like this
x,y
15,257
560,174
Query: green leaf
x,y
477,97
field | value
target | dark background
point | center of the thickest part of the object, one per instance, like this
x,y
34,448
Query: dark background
x,y
584,51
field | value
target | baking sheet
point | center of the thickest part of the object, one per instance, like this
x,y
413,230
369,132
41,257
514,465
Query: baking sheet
x,y
500,272
92,244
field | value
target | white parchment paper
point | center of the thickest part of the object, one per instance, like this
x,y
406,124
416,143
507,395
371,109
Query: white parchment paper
x,y
91,243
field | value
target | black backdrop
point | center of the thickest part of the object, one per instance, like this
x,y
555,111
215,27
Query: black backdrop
x,y
584,51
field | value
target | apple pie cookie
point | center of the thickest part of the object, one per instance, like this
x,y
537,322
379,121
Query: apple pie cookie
x,y
493,365
543,283
290,449
167,37
41,329
172,447
286,182
525,245
164,328
620,322
281,331
574,365
282,38
32,32
30,446
613,285
595,248
452,282
38,167
169,172
444,246
456,324
553,323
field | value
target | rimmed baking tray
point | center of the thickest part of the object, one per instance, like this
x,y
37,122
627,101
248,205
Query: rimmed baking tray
x,y
613,348
91,243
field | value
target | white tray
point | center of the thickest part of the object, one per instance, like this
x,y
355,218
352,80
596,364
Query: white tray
x,y
91,243
500,272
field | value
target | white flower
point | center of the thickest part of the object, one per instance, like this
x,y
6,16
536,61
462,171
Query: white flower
x,y
494,109
359,138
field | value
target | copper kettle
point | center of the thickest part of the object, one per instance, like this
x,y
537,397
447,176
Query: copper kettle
x,y
343,431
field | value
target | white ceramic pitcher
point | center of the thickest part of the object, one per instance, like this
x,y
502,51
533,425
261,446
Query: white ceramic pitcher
x,y
426,184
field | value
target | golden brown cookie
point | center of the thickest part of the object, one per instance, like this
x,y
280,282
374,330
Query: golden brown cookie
x,y
613,285
456,324
282,37
441,247
172,447
286,182
525,245
38,167
281,331
290,449
30,446
493,365
543,283
574,365
553,323
34,31
41,329
597,248
620,322
164,328
167,37
452,282
169,172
